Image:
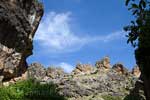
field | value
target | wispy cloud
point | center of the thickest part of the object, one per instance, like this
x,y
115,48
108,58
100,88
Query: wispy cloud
x,y
56,34
67,67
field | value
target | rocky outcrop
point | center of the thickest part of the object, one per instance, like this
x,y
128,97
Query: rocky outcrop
x,y
120,69
94,85
85,86
103,63
55,72
89,82
110,83
136,71
82,69
19,20
36,71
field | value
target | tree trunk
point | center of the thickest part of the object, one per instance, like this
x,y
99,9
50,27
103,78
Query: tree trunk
x,y
147,87
143,60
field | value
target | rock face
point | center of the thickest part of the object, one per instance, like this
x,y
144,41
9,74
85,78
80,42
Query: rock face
x,y
85,85
92,86
87,82
104,63
19,20
82,69
36,71
120,68
136,71
55,73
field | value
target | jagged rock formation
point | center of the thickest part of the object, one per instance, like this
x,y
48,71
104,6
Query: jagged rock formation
x,y
110,83
103,63
120,69
37,71
55,73
89,83
19,20
82,69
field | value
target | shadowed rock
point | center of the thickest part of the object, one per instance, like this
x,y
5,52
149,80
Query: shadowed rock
x,y
136,71
120,68
19,20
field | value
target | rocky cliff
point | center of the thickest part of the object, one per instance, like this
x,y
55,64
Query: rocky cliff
x,y
87,82
19,20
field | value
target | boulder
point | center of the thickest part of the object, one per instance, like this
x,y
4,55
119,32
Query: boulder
x,y
36,71
82,69
19,19
55,72
103,63
120,69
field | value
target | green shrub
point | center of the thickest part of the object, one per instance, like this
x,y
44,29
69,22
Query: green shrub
x,y
109,97
134,97
30,90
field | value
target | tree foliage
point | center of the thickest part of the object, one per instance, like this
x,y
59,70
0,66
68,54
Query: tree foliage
x,y
139,32
141,11
139,36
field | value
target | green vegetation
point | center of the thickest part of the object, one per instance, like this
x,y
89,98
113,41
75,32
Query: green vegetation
x,y
30,90
109,97
133,97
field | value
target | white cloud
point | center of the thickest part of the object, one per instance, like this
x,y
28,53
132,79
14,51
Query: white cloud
x,y
110,37
55,34
67,67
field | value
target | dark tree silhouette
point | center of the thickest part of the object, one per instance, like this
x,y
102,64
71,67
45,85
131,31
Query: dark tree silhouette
x,y
139,37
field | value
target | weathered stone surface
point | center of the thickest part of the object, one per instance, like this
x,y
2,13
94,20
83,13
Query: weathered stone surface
x,y
110,83
36,71
83,84
103,63
89,83
19,20
82,69
120,69
136,71
55,72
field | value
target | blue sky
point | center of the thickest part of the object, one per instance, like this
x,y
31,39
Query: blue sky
x,y
82,31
